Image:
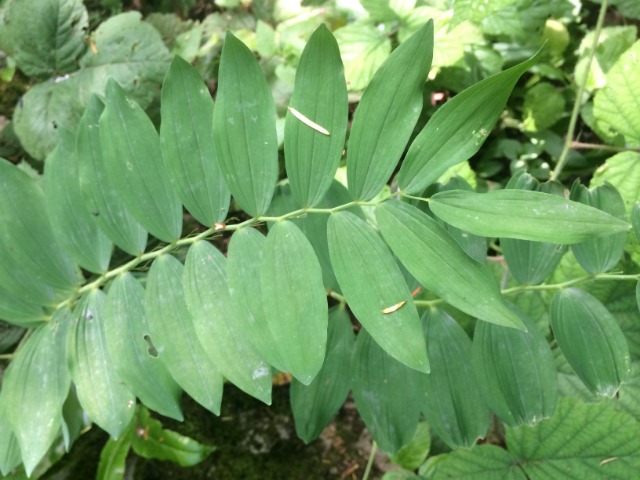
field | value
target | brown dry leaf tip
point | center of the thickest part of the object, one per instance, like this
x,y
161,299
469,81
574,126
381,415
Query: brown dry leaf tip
x,y
218,226
309,123
416,291
394,308
92,44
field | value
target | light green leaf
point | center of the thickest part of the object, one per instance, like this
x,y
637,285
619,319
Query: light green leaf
x,y
113,457
597,255
373,284
19,312
616,106
414,453
174,336
245,254
315,404
627,8
220,332
126,49
622,170
187,144
77,233
33,265
10,456
386,393
101,197
384,122
131,152
379,10
524,214
132,355
34,388
458,129
364,48
440,265
591,340
452,406
515,372
543,106
244,128
295,303
320,94
44,37
485,462
107,401
162,444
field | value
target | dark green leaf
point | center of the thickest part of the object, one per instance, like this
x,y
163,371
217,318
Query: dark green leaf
x,y
486,462
76,232
591,340
452,406
315,404
220,331
101,197
515,372
635,219
295,303
386,393
458,129
174,336
373,284
130,350
320,94
131,153
152,441
440,265
524,214
387,114
244,128
107,401
187,144
113,457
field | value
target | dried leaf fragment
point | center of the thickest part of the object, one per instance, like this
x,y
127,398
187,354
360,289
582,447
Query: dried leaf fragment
x,y
394,308
308,122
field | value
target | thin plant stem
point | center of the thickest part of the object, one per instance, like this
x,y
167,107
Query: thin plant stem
x,y
372,455
568,141
605,148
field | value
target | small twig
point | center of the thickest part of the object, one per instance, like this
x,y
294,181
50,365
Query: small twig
x,y
596,146
372,455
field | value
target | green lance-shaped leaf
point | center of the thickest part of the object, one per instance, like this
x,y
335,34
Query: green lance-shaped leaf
x,y
515,372
33,265
245,254
187,144
131,153
591,340
113,457
162,444
244,128
635,219
375,289
295,303
34,388
458,129
10,456
440,265
313,150
526,215
76,232
315,404
638,294
452,406
531,262
175,338
132,354
101,197
19,312
598,255
387,394
216,324
104,397
387,114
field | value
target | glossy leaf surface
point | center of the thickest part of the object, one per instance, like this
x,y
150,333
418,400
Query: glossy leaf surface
x,y
244,128
387,114
524,214
440,265
131,152
113,457
320,94
372,283
187,144
10,456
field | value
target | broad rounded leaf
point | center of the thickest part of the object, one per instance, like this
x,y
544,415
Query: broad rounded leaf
x,y
440,265
320,94
591,340
244,128
387,114
187,144
375,289
524,214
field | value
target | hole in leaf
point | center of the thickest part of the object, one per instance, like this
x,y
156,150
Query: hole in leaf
x,y
152,349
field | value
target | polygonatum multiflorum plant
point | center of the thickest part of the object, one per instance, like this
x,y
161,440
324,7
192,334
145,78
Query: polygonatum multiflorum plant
x,y
324,281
